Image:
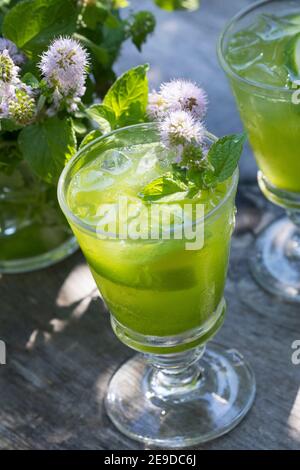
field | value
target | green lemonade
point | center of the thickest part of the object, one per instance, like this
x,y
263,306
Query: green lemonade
x,y
266,57
152,287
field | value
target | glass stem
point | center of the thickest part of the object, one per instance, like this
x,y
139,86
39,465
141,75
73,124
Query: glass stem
x,y
175,374
294,245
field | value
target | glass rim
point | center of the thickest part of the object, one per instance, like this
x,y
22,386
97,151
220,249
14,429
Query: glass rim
x,y
227,68
151,125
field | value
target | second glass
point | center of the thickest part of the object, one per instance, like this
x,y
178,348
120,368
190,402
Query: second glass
x,y
257,51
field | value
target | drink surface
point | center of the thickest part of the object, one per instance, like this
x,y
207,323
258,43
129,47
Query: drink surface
x,y
267,53
154,287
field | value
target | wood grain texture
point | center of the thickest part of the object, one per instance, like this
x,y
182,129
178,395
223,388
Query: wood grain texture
x,y
61,351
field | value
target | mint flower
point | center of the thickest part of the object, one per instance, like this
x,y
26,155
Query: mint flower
x,y
14,53
8,70
64,67
179,128
4,108
7,93
157,106
186,96
22,108
9,79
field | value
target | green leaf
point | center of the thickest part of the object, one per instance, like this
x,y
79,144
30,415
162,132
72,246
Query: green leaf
x,y
171,5
90,137
142,24
47,146
32,24
119,4
128,96
9,125
112,38
224,156
31,80
103,116
162,186
79,127
99,52
95,13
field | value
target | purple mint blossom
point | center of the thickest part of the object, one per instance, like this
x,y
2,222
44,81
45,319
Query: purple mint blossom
x,y
4,105
64,66
14,53
186,96
156,106
179,128
9,72
9,80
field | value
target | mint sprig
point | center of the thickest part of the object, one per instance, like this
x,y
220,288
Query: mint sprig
x,y
221,162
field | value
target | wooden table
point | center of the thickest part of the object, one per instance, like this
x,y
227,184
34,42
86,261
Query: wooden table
x,y
61,351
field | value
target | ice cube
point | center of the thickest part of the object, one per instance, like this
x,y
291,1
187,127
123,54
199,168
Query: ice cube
x,y
115,162
244,50
91,180
270,74
147,163
273,27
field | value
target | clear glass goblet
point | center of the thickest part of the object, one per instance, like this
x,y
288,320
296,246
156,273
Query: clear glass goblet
x,y
165,301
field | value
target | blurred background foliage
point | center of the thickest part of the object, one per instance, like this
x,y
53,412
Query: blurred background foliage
x,y
101,25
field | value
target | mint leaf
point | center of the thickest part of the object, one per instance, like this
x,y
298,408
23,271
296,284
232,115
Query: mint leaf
x,y
31,80
171,5
32,24
128,96
224,156
79,127
141,25
90,137
103,116
162,186
95,13
9,125
47,146
100,53
119,4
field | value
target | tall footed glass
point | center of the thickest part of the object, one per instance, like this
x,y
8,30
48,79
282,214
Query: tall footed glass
x,y
259,51
163,282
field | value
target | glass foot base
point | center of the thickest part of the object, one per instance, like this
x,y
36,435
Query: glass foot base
x,y
275,260
207,408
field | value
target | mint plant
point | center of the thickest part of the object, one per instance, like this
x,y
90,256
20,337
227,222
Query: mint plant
x,y
56,59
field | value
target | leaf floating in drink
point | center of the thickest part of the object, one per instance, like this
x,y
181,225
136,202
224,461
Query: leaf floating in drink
x,y
162,186
293,55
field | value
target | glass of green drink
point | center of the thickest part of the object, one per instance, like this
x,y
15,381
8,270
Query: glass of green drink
x,y
163,287
260,52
